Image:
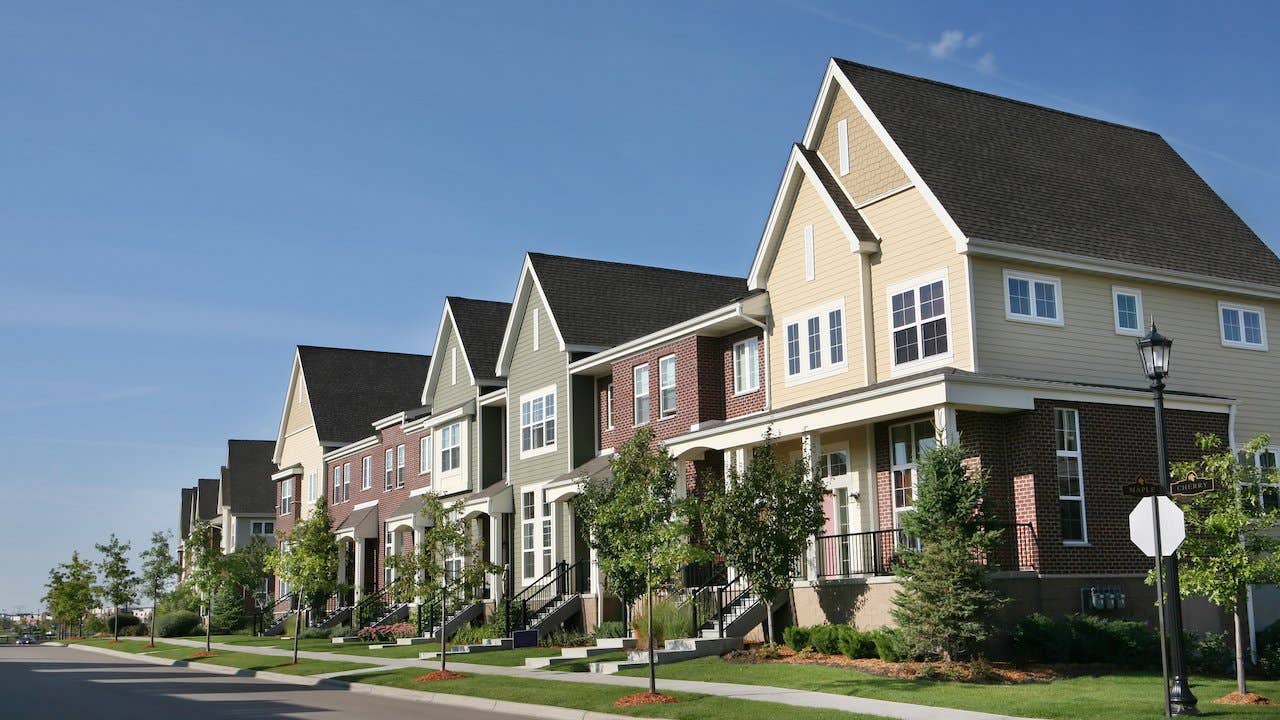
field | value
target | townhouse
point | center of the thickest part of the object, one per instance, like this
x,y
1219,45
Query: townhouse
x,y
238,504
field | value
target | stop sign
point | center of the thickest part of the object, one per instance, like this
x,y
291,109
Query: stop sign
x,y
1142,527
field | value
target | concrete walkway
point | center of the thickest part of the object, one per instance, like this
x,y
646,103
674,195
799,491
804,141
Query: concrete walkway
x,y
759,693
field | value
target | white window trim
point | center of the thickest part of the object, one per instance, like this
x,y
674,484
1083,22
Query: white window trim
x,y
663,412
258,527
754,376
1264,483
801,318
451,473
346,481
1032,279
424,454
608,406
842,137
809,262
337,484
838,481
401,463
921,363
311,487
1116,292
388,470
286,496
1242,309
1078,455
366,472
636,395
550,447
534,537
914,467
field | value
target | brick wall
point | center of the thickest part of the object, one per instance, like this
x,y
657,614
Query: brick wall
x,y
739,405
285,523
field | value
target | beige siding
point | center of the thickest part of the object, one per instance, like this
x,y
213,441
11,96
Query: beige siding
x,y
836,276
872,170
445,393
297,408
304,448
913,244
1087,349
533,370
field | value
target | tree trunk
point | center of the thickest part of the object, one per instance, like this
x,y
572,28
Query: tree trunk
x,y
653,677
208,625
297,629
115,624
444,580
155,600
768,622
1241,687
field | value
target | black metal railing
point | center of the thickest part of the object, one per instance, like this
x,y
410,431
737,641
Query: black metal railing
x,y
875,552
561,581
700,581
446,603
274,611
375,606
727,596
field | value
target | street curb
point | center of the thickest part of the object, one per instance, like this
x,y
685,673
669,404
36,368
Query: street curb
x,y
550,712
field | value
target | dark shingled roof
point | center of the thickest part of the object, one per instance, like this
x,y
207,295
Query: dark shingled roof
x,y
207,498
349,389
1017,173
184,514
480,324
838,196
599,303
246,478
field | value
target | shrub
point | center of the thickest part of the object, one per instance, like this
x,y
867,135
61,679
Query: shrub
x,y
889,647
340,631
611,629
94,625
177,624
1269,661
670,621
500,615
1208,653
227,612
826,638
313,633
387,633
796,637
183,597
124,620
474,635
855,643
1040,638
1129,643
1269,637
565,638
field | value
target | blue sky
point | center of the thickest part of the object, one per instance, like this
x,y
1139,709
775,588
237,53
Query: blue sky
x,y
189,190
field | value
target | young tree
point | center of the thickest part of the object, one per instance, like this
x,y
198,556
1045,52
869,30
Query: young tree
x,y
636,525
208,570
762,521
159,567
307,559
945,602
1229,544
118,579
423,568
71,591
247,571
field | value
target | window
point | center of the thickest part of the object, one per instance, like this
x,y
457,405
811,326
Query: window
x,y
843,528
346,481
537,330
546,533
608,405
389,470
424,454
906,443
1268,478
746,366
833,464
835,326
388,549
842,137
641,376
366,472
450,447
1032,298
1243,326
808,252
815,343
667,386
262,527
793,349
313,488
1128,308
919,318
399,466
527,549
538,421
286,497
1066,427
337,484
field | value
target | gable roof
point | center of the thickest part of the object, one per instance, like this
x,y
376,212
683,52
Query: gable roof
x,y
246,478
349,389
184,513
1011,172
207,498
479,324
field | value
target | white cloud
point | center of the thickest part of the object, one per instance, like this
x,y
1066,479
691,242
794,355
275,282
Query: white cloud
x,y
947,45
987,63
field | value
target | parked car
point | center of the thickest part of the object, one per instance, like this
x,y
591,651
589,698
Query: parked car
x,y
26,640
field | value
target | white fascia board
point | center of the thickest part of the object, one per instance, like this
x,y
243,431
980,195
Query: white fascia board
x,y
389,421
285,474
354,447
466,410
497,397
434,369
294,376
363,505
1114,268
660,337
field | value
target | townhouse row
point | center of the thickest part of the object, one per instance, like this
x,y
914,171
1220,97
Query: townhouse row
x,y
938,265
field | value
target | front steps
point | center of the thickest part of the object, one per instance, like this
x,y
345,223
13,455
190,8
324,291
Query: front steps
x,y
489,645
672,651
568,655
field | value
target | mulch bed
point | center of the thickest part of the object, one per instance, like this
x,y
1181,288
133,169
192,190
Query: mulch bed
x,y
201,654
1236,698
644,698
439,675
981,672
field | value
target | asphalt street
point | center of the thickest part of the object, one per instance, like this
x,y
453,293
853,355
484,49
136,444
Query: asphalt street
x,y
66,683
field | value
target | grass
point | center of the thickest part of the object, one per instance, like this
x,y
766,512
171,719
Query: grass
x,y
244,660
600,698
505,658
1123,696
131,646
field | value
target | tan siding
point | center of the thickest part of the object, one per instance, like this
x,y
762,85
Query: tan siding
x,y
872,170
914,243
1087,349
304,448
297,408
836,276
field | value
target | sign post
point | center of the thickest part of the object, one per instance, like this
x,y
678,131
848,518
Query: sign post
x,y
1158,532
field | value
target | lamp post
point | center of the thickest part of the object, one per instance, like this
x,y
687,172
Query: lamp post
x,y
1155,349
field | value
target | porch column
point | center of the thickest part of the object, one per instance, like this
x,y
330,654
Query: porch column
x,y
944,423
360,560
595,586
496,521
811,449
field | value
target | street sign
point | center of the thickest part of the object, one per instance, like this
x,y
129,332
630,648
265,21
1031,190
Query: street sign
x,y
1192,485
1142,530
1141,489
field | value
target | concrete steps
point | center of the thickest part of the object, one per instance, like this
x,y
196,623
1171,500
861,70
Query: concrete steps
x,y
568,655
489,645
672,651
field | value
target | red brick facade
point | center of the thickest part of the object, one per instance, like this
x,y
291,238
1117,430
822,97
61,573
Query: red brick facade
x,y
285,523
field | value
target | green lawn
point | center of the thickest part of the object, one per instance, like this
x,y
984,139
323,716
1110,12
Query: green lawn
x,y
245,660
600,698
504,658
1126,696
583,665
129,646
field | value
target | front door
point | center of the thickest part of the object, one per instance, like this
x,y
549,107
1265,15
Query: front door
x,y
370,565
349,574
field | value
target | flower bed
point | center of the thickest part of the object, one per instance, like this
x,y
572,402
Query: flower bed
x,y
387,633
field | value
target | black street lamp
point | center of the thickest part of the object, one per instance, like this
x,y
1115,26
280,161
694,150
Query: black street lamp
x,y
1155,350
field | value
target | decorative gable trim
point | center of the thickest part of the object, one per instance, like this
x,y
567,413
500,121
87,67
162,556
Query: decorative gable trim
x,y
528,283
295,377
438,354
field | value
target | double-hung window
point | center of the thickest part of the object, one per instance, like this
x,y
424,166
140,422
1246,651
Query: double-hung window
x,y
1243,326
1268,478
424,454
366,472
835,331
640,374
793,349
346,481
450,447
815,342
814,332
262,527
546,533
286,496
919,320
1066,430
1032,298
399,466
538,421
833,464
1128,310
906,444
337,483
389,469
746,366
527,551
667,386
314,487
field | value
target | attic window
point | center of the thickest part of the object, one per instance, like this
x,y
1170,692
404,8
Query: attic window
x,y
808,253
842,135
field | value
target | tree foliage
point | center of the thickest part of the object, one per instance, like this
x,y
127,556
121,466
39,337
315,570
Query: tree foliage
x,y
69,592
306,558
119,583
205,557
446,535
945,603
763,519
159,568
1230,541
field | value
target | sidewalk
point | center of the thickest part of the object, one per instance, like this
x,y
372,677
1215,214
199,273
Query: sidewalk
x,y
759,693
